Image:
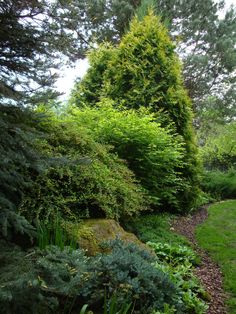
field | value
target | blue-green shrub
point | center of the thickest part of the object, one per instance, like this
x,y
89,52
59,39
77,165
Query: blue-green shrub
x,y
63,280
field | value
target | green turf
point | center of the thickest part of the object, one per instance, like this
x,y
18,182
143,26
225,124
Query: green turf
x,y
218,236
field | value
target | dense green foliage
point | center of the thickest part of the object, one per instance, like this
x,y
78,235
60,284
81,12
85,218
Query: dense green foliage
x,y
127,144
71,278
58,281
154,154
89,180
220,184
217,236
219,158
20,163
204,35
144,71
55,169
219,149
155,228
178,261
31,43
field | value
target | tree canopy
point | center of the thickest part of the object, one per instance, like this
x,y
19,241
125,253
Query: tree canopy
x,y
37,36
205,41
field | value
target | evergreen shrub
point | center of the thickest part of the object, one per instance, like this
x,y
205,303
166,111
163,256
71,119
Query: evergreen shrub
x,y
144,70
83,179
128,270
51,168
59,281
20,163
21,288
62,281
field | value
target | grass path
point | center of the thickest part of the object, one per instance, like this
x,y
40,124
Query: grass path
x,y
217,235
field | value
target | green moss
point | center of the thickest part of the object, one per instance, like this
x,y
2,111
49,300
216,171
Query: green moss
x,y
91,233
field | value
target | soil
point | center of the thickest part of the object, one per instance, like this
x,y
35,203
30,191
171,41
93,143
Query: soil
x,y
208,271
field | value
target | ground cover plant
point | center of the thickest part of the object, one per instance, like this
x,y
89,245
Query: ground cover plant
x,y
59,281
175,257
178,262
155,228
217,236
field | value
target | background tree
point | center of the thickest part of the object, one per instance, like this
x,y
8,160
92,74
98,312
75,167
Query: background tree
x,y
36,37
206,44
204,41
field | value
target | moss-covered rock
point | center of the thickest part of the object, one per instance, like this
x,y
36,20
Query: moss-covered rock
x,y
91,233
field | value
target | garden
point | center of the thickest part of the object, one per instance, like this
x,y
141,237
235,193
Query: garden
x,y
120,199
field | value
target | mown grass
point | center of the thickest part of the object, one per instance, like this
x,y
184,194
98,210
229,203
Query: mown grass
x,y
218,236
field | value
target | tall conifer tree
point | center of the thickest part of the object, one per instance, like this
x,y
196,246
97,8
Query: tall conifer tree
x,y
144,70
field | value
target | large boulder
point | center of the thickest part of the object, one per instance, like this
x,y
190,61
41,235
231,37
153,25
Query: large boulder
x,y
91,233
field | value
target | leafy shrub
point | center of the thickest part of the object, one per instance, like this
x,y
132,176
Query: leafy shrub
x,y
153,153
178,261
220,184
84,179
52,168
145,71
173,254
219,150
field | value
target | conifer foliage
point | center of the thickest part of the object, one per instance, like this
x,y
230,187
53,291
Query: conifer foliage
x,y
145,71
19,158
